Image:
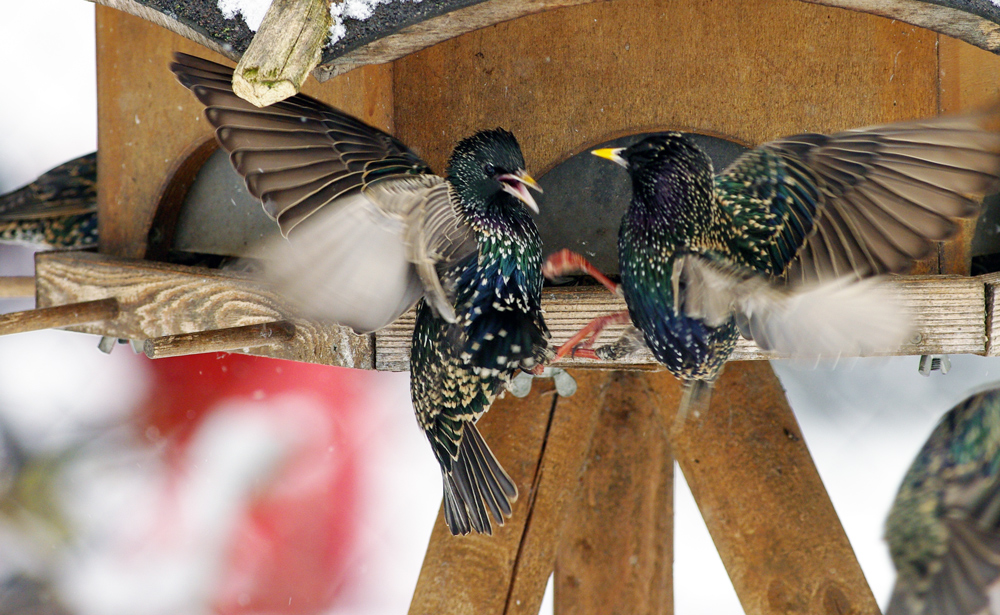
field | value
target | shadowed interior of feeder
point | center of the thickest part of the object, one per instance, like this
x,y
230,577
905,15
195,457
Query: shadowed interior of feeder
x,y
586,196
584,200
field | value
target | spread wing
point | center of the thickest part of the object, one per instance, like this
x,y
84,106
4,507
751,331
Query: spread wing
x,y
860,202
366,222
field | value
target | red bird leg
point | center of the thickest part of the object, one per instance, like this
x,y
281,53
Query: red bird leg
x,y
592,330
565,262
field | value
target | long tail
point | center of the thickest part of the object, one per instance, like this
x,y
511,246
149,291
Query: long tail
x,y
476,483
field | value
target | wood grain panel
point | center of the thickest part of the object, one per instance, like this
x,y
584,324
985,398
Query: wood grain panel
x,y
568,78
157,299
969,79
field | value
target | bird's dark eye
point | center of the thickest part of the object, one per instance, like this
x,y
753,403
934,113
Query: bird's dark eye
x,y
489,169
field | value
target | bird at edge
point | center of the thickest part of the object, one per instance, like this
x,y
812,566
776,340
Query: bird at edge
x,y
943,528
369,231
58,210
790,245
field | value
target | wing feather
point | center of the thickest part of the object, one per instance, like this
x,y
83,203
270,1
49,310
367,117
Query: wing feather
x,y
879,196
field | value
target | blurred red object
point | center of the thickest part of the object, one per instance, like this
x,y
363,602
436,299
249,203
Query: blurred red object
x,y
289,548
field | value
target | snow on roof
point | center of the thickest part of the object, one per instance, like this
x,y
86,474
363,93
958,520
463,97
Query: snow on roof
x,y
253,12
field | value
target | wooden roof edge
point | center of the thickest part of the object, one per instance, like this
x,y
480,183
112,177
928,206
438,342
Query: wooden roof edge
x,y
976,22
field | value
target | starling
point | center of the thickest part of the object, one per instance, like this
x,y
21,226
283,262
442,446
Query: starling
x,y
370,231
944,527
784,244
58,210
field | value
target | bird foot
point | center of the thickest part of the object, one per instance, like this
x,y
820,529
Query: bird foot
x,y
565,262
520,385
581,344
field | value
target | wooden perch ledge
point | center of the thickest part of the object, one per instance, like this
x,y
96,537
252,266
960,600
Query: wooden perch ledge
x,y
952,314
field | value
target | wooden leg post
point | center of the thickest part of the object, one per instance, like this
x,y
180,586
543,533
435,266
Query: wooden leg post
x,y
616,554
763,501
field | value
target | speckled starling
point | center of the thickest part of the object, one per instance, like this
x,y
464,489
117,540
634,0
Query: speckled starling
x,y
944,527
774,246
371,230
57,210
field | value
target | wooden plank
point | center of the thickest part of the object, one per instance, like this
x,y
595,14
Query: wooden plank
x,y
949,312
992,282
616,551
763,501
949,315
969,79
157,299
542,442
857,70
147,122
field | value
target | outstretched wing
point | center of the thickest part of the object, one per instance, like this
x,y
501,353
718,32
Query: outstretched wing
x,y
860,202
297,155
366,222
436,237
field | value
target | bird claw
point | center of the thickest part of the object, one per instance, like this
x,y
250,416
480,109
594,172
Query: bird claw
x,y
520,385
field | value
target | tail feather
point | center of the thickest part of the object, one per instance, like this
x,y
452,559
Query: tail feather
x,y
475,483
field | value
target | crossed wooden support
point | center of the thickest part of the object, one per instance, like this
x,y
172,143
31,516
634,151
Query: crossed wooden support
x,y
595,472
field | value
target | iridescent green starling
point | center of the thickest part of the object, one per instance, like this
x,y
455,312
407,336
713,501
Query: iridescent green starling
x,y
944,527
774,245
370,231
57,210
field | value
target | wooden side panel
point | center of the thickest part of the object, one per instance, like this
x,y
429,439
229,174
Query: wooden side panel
x,y
542,441
969,80
763,501
568,78
147,121
616,553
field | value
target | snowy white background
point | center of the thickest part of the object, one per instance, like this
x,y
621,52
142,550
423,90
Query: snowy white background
x,y
863,421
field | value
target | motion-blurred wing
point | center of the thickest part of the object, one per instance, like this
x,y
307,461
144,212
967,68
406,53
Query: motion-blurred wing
x,y
298,155
436,237
861,202
829,319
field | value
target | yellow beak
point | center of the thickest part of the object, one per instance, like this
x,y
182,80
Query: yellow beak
x,y
611,153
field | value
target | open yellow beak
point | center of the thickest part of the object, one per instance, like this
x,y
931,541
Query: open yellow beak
x,y
518,184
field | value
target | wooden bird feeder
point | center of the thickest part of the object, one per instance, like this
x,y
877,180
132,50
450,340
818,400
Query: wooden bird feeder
x,y
595,469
